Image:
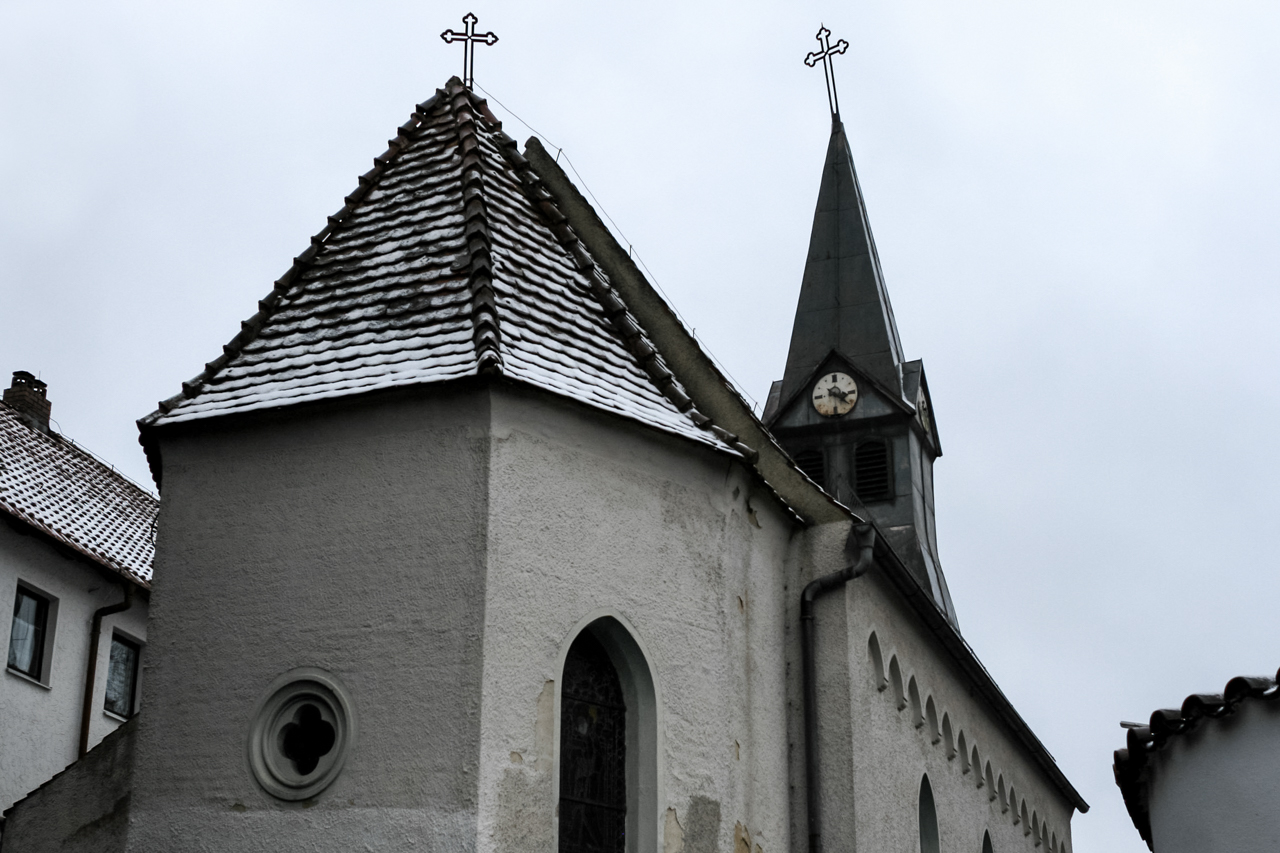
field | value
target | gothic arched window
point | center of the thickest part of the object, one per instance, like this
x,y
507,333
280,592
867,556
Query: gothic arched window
x,y
986,843
593,752
928,819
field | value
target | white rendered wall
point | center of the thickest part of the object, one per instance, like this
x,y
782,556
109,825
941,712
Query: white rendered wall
x,y
1217,787
344,537
891,754
592,516
40,723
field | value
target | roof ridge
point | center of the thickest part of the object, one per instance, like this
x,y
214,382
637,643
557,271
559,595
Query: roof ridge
x,y
486,333
615,308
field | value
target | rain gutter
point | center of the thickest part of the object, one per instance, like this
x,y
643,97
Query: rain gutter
x,y
91,669
866,538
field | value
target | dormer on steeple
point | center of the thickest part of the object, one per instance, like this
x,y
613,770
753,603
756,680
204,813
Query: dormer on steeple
x,y
853,413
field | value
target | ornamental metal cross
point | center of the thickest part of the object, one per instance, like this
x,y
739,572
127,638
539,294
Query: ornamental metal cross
x,y
468,38
828,50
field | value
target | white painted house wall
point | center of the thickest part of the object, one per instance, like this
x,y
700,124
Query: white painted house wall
x,y
1217,786
40,723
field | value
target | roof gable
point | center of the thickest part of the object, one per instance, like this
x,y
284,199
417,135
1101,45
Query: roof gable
x,y
874,400
449,261
61,490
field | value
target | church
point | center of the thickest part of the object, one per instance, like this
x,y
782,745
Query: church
x,y
465,544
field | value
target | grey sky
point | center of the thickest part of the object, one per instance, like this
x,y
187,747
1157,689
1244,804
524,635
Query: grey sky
x,y
1076,207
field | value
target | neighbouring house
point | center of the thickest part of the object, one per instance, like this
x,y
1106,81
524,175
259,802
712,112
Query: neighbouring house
x,y
1205,776
75,575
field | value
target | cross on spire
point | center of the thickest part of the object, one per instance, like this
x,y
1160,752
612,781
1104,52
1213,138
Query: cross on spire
x,y
469,38
828,50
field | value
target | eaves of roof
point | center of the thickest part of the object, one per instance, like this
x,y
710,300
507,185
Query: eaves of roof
x,y
922,601
1132,763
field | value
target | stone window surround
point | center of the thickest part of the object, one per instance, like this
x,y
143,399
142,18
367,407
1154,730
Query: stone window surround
x,y
644,729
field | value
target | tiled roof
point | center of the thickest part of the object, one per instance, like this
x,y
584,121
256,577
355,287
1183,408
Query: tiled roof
x,y
1131,763
450,260
60,489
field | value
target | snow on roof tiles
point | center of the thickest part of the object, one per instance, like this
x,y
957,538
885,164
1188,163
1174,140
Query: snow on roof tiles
x,y
449,261
60,489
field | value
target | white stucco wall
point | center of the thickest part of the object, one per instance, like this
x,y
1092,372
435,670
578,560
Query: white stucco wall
x,y
1217,786
590,516
437,551
891,753
349,538
40,723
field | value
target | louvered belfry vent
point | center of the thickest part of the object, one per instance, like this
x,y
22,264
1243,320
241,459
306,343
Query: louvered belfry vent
x,y
813,464
871,474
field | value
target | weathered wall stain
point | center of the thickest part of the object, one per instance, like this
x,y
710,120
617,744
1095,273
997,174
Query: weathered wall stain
x,y
526,822
702,833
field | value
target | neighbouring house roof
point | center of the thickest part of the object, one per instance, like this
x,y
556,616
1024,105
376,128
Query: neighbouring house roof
x,y
449,260
61,490
1132,763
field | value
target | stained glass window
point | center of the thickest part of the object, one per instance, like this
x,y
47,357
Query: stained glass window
x,y
593,758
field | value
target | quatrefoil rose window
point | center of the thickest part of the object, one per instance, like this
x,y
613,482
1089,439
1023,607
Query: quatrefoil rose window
x,y
301,734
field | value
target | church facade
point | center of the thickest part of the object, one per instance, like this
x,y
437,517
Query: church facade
x,y
465,544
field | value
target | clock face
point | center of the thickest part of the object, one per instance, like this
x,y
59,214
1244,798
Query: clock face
x,y
922,406
834,394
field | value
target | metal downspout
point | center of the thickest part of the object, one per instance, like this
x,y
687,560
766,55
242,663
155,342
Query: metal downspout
x,y
91,670
866,537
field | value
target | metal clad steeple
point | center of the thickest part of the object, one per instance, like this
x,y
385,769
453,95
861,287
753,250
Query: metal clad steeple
x,y
843,304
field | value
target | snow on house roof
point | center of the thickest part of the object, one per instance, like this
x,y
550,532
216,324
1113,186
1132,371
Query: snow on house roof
x,y
450,260
61,490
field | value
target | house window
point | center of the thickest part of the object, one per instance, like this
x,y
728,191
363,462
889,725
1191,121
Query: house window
x,y
593,741
122,676
872,477
27,635
812,463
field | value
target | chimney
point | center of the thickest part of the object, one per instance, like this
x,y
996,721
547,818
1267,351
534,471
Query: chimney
x,y
27,397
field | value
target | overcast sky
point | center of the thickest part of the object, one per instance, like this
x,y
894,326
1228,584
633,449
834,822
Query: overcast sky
x,y
1076,207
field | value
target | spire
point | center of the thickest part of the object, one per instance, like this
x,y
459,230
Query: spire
x,y
843,302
